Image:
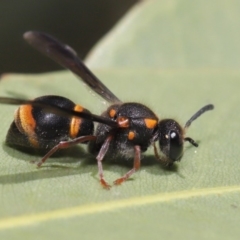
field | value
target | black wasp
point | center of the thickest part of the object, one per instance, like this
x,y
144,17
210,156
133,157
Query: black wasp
x,y
124,129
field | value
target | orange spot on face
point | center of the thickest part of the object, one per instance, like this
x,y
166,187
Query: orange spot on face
x,y
26,123
75,122
112,113
123,122
131,135
150,123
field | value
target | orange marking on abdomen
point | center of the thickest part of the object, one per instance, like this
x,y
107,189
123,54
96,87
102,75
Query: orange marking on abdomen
x,y
26,123
75,124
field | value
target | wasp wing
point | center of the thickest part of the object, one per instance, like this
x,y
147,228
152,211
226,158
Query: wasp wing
x,y
59,110
67,57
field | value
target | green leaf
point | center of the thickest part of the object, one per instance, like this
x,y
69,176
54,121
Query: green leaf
x,y
155,56
174,34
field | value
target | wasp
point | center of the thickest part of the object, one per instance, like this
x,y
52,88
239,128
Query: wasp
x,y
124,129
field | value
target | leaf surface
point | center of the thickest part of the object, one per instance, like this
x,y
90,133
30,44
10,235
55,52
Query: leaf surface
x,y
199,197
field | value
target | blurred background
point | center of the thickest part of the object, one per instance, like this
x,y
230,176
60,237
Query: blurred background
x,y
79,23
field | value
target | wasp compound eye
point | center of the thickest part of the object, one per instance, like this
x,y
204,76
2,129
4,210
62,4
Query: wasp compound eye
x,y
171,140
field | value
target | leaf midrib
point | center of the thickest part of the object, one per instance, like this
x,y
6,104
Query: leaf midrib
x,y
87,209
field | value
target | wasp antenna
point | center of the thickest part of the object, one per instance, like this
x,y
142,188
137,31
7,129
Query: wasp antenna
x,y
198,114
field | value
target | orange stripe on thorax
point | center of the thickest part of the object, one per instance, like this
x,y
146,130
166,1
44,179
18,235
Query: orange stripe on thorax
x,y
150,123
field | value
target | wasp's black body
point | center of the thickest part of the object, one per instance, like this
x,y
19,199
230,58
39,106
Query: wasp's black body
x,y
125,129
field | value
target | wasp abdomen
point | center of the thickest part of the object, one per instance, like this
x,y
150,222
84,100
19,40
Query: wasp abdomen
x,y
35,127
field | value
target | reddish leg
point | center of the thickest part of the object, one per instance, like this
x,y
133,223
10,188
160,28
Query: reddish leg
x,y
65,144
136,166
100,157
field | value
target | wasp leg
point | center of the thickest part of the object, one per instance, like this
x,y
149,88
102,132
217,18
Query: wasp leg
x,y
100,157
136,166
65,144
